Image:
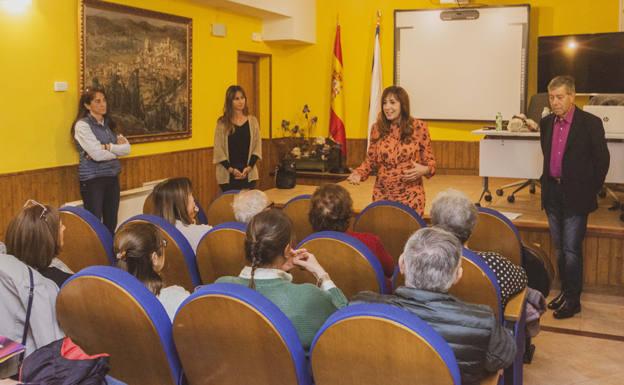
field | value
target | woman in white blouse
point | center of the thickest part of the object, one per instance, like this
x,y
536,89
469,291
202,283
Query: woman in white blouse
x,y
99,147
174,201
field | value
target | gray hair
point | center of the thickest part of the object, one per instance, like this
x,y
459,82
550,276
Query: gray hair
x,y
565,81
431,257
453,211
248,203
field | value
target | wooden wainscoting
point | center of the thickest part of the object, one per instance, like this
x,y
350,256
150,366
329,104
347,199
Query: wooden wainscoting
x,y
452,157
603,261
58,185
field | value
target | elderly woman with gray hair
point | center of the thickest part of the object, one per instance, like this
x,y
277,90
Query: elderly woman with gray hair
x,y
454,212
248,203
431,263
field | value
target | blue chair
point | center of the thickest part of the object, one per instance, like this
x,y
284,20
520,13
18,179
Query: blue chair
x,y
230,334
87,241
220,210
202,218
377,344
495,232
180,267
221,251
297,210
392,222
106,310
350,264
479,285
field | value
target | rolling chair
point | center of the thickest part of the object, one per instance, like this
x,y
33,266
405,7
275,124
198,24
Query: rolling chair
x,y
534,112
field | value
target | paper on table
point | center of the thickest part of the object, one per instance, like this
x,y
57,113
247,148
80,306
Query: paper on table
x,y
510,216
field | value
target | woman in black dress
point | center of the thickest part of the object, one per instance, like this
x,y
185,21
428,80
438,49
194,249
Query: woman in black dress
x,y
237,144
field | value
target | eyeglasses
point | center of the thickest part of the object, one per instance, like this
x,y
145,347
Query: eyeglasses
x,y
32,202
270,206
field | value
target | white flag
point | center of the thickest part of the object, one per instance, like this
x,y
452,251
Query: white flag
x,y
374,105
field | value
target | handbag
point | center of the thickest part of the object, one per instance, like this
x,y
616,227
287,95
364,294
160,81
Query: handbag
x,y
286,174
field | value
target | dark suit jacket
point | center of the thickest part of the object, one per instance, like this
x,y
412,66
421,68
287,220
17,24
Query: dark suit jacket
x,y
585,162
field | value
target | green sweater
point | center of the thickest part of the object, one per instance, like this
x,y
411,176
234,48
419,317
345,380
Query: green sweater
x,y
305,305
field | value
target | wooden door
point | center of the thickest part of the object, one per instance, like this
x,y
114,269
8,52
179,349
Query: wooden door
x,y
248,78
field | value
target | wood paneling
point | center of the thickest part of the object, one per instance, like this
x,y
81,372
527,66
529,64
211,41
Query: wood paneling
x,y
58,185
603,262
455,158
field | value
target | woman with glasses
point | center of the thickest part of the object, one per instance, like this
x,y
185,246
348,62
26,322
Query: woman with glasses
x,y
99,147
35,237
174,201
237,143
140,250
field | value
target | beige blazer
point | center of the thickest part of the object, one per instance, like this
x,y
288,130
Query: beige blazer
x,y
220,152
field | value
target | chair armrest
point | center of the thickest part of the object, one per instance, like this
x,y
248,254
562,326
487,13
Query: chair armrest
x,y
515,306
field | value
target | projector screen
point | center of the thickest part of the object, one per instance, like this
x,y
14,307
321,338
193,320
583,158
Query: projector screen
x,y
463,63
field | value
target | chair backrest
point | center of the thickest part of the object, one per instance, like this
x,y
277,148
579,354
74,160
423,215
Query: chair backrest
x,y
221,251
220,210
297,210
231,334
148,208
350,264
478,284
180,267
378,344
392,222
106,310
87,241
495,232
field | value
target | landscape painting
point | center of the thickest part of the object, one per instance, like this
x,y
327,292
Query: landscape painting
x,y
142,60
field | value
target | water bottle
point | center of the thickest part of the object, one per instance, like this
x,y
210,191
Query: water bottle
x,y
499,121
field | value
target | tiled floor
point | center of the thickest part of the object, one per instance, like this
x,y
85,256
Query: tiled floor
x,y
565,359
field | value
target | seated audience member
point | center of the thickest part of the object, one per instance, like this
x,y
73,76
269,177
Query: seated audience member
x,y
248,203
140,250
454,212
431,262
270,255
331,208
174,201
35,237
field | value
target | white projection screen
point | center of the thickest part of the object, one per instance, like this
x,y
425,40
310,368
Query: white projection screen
x,y
463,69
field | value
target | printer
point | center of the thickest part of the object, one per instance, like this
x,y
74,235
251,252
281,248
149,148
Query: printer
x,y
612,117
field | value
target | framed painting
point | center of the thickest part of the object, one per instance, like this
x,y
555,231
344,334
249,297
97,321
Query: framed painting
x,y
143,61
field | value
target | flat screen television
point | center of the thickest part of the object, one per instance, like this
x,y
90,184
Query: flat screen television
x,y
595,60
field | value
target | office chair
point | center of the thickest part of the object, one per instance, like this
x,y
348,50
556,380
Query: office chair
x,y
535,110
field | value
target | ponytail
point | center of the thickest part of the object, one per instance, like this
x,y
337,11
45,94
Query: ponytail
x,y
268,234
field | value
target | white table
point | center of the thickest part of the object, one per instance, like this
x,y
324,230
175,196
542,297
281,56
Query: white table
x,y
519,155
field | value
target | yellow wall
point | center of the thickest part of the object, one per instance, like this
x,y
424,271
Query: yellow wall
x,y
311,65
41,46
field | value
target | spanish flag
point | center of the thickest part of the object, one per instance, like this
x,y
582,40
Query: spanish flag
x,y
336,113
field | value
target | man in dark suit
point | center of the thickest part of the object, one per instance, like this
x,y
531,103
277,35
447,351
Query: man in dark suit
x,y
576,161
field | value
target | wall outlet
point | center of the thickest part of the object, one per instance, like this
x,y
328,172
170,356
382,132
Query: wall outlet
x,y
60,86
256,36
219,30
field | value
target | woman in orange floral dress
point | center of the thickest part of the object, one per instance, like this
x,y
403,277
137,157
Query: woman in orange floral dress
x,y
400,151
